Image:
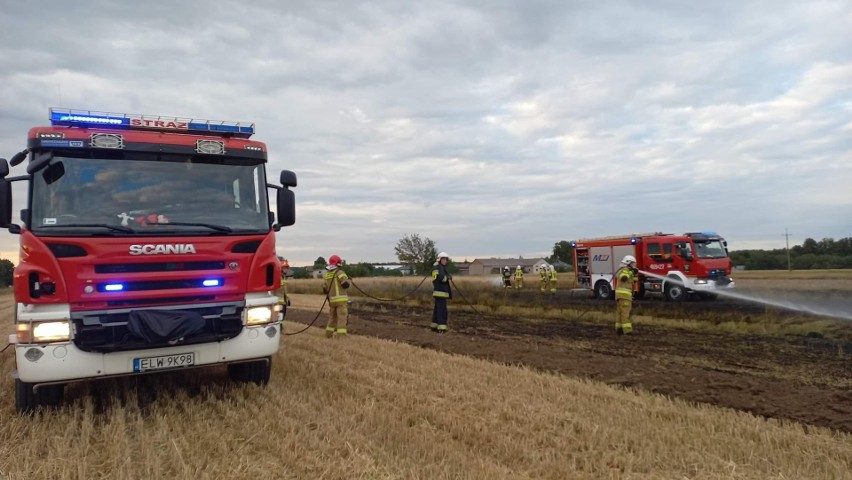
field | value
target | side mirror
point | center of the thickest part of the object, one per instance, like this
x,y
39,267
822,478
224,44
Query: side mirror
x,y
4,168
19,157
5,201
288,179
286,203
39,161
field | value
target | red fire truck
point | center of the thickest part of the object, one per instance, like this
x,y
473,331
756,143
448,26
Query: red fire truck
x,y
146,244
674,265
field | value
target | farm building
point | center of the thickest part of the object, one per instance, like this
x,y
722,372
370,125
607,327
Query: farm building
x,y
491,266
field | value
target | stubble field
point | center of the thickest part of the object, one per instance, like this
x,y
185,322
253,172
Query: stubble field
x,y
524,386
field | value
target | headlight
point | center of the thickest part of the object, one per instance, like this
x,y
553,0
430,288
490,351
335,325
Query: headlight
x,y
258,315
44,332
701,281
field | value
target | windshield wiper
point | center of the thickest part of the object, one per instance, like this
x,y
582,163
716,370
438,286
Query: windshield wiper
x,y
114,228
218,228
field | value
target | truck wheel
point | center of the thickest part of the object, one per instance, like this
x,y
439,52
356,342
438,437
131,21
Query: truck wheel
x,y
255,372
603,290
675,292
27,400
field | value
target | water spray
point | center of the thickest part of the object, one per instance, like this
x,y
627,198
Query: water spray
x,y
798,307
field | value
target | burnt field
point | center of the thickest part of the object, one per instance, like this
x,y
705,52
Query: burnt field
x,y
687,350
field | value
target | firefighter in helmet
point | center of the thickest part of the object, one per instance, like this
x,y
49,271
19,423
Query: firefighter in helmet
x,y
441,292
281,292
625,279
552,279
334,287
507,277
519,277
545,277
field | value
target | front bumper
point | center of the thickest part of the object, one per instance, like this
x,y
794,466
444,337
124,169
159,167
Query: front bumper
x,y
711,285
59,362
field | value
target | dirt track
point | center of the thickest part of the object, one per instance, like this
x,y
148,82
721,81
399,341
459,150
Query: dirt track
x,y
804,379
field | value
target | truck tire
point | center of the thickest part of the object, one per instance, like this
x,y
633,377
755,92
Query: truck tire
x,y
603,290
257,372
27,399
674,292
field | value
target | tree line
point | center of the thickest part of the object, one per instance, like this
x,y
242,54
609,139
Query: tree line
x,y
827,253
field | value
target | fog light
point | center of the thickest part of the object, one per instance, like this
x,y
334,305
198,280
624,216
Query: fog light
x,y
33,354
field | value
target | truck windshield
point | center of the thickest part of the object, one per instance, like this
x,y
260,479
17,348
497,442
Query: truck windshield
x,y
710,249
148,197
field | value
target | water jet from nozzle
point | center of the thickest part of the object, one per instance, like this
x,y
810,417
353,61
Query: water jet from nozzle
x,y
817,310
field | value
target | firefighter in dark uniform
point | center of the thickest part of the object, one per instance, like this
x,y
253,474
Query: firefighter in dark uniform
x,y
507,277
441,292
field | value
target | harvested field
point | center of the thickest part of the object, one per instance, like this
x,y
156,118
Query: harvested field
x,y
364,407
770,362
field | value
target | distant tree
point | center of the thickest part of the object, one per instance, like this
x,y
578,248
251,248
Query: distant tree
x,y
300,272
562,251
452,268
320,263
418,253
810,246
6,272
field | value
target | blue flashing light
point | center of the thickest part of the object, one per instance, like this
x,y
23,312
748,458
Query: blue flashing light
x,y
708,233
114,287
633,241
573,244
69,118
212,282
237,129
86,119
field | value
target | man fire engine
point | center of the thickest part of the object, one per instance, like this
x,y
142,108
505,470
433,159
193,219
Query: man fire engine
x,y
674,265
147,244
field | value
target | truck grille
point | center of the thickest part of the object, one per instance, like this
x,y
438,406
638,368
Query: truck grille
x,y
158,267
108,332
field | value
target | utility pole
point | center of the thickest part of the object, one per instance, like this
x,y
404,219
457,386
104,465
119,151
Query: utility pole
x,y
787,238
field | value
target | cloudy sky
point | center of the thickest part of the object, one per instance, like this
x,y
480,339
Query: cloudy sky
x,y
494,128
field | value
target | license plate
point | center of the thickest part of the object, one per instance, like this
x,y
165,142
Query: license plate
x,y
166,361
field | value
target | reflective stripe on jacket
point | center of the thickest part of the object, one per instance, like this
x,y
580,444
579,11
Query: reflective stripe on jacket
x,y
624,280
336,283
441,282
519,273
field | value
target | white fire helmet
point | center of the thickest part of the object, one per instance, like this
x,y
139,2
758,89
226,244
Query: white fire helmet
x,y
519,266
443,255
629,260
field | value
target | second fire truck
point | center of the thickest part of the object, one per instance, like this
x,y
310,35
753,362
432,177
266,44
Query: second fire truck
x,y
674,265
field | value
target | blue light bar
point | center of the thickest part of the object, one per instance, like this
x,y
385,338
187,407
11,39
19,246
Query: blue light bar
x,y
708,233
70,118
86,119
114,287
212,282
